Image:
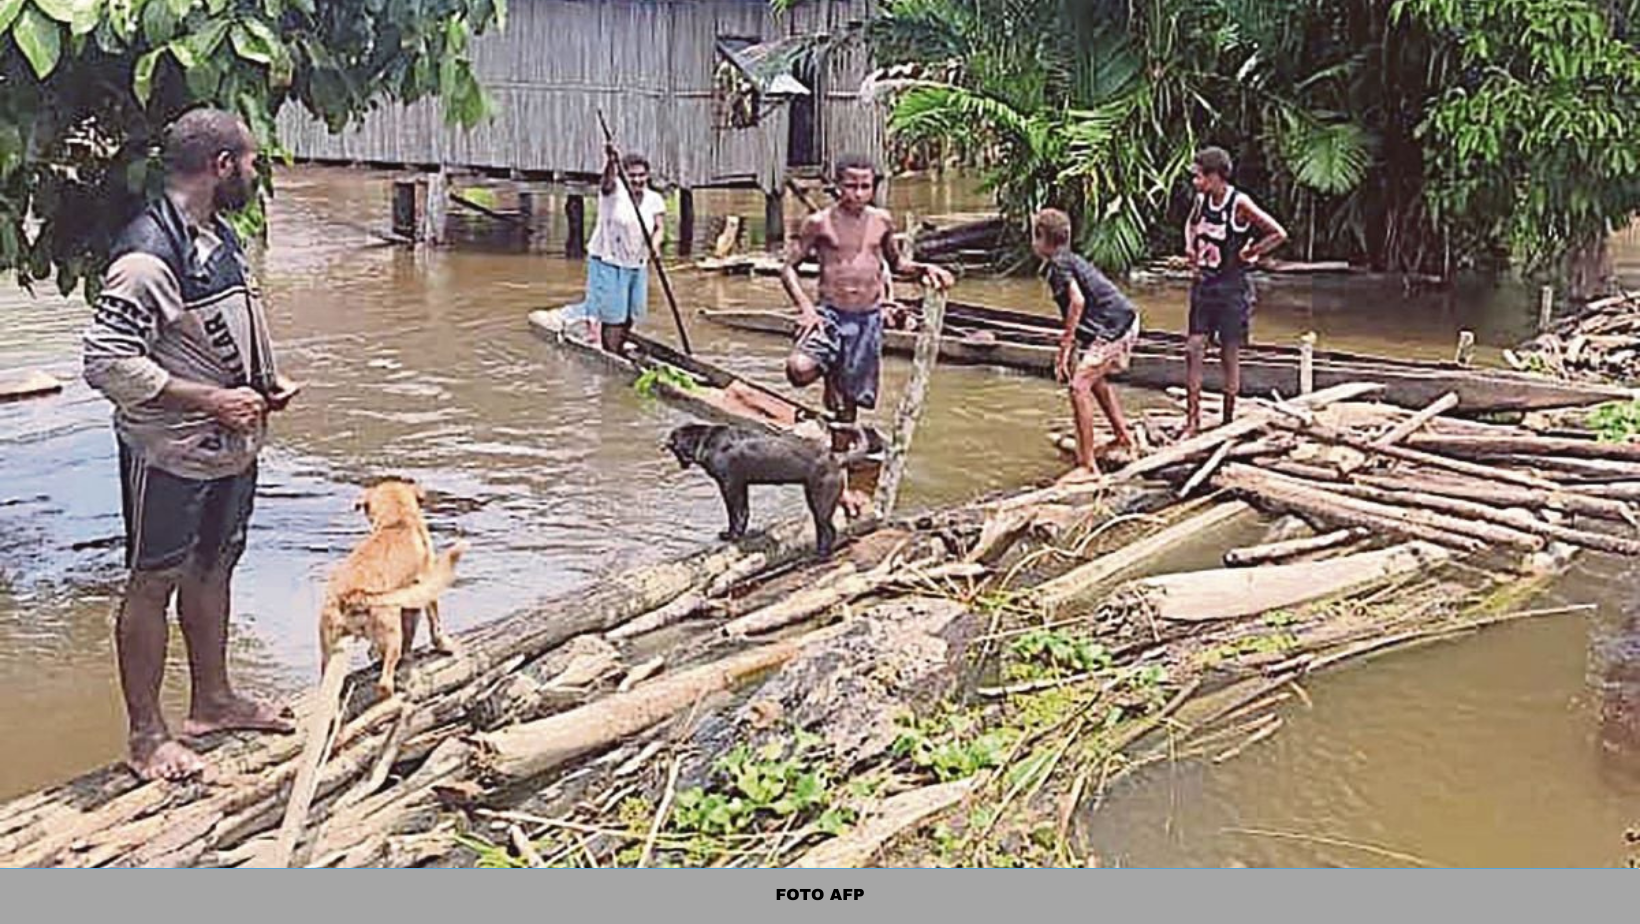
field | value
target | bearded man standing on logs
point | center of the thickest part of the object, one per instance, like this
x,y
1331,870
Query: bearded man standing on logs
x,y
178,342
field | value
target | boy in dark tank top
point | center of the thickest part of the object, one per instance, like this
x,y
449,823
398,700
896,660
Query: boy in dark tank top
x,y
1219,243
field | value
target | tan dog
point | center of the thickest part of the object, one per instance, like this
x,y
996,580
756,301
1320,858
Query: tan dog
x,y
386,579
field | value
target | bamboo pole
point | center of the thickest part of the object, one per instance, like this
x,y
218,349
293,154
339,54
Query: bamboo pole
x,y
1278,551
911,403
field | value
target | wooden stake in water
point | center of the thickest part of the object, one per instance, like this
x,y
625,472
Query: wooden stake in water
x,y
1306,363
1546,307
1466,348
911,403
438,208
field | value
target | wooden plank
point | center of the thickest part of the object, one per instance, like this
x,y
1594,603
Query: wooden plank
x,y
31,384
1234,593
1083,580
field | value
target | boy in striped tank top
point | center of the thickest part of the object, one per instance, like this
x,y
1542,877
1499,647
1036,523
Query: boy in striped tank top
x,y
1219,243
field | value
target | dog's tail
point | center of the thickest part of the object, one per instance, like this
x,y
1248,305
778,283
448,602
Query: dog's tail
x,y
868,443
424,591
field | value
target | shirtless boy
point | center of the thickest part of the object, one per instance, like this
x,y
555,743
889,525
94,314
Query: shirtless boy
x,y
841,338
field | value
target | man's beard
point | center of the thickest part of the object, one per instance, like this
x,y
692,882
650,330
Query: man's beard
x,y
233,192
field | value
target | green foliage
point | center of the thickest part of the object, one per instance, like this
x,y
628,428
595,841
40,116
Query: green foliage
x,y
1059,650
661,374
1617,422
751,788
951,747
87,86
1534,142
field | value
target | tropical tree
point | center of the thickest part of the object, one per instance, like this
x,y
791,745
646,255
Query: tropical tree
x,y
87,85
1097,106
1534,142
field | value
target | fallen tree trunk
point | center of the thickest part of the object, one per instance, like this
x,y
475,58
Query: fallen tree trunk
x,y
1412,424
1416,457
318,728
1232,593
1185,450
1278,551
523,751
910,409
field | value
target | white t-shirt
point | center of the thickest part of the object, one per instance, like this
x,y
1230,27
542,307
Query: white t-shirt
x,y
618,238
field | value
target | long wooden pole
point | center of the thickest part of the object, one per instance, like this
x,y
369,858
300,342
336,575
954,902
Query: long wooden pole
x,y
648,240
911,403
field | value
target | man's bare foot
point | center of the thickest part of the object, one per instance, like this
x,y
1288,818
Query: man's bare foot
x,y
161,757
1079,474
1116,451
237,714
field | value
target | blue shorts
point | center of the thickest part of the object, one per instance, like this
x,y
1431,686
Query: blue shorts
x,y
615,294
848,348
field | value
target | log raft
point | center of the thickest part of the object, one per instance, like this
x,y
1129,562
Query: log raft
x,y
532,701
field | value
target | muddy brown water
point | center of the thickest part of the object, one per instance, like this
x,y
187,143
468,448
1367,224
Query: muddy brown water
x,y
1482,752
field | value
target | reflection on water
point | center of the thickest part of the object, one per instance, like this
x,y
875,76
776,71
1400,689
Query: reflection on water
x,y
421,364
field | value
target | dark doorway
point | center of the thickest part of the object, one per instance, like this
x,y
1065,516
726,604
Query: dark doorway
x,y
803,127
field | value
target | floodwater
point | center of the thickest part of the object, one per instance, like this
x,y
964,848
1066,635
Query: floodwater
x,y
421,364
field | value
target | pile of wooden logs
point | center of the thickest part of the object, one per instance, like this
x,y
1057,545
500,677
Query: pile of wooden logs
x,y
1600,342
1367,469
547,723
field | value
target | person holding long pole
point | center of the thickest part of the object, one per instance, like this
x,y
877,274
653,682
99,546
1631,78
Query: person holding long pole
x,y
618,256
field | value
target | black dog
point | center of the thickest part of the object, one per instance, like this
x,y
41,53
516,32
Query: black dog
x,y
736,458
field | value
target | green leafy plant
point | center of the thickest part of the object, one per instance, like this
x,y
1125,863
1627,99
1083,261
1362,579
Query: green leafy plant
x,y
86,87
1617,422
1059,650
948,747
659,374
773,782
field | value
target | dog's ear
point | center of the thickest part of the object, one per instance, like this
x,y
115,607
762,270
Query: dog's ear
x,y
421,492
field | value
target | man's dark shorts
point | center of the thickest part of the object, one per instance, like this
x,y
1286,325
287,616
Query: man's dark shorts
x,y
168,519
1222,310
848,348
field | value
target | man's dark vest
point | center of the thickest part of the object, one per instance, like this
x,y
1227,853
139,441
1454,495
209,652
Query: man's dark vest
x,y
161,231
